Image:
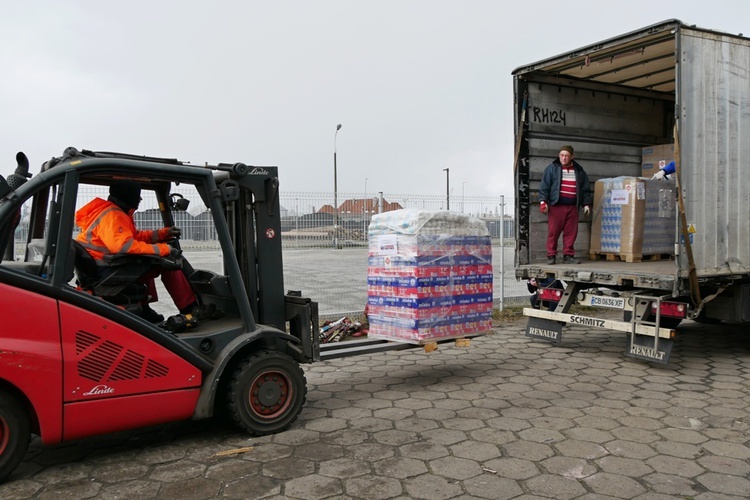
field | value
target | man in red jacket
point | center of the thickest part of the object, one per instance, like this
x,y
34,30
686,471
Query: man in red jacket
x,y
107,229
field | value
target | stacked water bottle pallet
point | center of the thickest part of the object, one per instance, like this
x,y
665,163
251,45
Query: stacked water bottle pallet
x,y
429,276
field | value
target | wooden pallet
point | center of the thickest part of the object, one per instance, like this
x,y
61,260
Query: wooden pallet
x,y
460,342
629,257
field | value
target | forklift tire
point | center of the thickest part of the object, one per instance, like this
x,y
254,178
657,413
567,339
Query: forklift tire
x,y
15,433
266,393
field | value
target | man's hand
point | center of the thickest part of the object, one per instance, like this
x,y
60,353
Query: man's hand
x,y
175,253
174,232
586,210
543,207
659,175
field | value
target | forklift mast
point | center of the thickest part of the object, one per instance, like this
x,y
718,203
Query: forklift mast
x,y
253,214
255,225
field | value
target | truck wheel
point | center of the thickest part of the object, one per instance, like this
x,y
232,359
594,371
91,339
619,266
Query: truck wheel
x,y
15,433
266,393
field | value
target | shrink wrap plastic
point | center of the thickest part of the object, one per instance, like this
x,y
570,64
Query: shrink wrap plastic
x,y
429,276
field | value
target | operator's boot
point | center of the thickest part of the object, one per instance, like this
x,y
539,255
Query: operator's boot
x,y
200,312
190,317
180,323
150,315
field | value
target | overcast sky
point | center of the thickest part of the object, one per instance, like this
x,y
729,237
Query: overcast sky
x,y
418,85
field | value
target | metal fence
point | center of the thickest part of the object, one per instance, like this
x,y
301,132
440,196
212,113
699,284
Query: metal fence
x,y
308,218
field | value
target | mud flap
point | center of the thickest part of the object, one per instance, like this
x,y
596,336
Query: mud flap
x,y
544,329
643,348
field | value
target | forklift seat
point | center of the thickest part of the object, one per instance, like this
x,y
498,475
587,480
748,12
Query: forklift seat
x,y
117,282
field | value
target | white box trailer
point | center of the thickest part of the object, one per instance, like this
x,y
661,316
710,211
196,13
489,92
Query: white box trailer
x,y
669,83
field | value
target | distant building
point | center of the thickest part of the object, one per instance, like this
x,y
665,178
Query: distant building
x,y
361,206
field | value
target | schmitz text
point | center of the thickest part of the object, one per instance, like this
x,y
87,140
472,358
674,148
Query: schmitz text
x,y
583,320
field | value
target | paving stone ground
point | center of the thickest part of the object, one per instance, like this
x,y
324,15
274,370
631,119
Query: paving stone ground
x,y
507,417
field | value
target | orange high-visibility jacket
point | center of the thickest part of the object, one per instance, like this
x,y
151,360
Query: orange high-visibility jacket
x,y
107,230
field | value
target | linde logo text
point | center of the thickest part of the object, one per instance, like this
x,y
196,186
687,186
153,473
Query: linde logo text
x,y
99,390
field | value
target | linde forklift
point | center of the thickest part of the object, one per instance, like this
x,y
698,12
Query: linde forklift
x,y
76,359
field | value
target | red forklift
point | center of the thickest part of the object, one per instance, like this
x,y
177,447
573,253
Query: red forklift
x,y
76,360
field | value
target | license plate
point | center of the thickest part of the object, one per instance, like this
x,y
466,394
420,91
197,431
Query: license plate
x,y
610,302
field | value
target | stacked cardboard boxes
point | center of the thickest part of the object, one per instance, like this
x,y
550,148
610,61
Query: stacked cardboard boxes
x,y
633,217
429,276
654,158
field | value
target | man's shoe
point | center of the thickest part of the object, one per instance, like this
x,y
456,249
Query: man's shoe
x,y
151,316
551,260
569,259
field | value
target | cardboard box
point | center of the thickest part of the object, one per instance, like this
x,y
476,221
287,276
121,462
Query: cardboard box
x,y
633,217
653,158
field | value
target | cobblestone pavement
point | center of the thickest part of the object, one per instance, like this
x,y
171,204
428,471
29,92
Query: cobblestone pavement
x,y
507,417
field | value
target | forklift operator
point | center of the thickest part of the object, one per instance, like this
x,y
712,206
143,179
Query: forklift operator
x,y
108,229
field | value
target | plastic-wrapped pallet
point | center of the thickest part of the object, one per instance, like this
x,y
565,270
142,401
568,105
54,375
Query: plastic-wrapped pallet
x,y
429,276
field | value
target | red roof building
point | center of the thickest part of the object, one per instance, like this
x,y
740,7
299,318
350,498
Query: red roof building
x,y
361,206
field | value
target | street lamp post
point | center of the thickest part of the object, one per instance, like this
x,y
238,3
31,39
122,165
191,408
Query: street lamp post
x,y
335,192
296,221
502,251
463,195
365,212
447,188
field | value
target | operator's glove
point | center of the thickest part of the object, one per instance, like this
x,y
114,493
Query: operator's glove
x,y
659,175
543,207
174,232
175,253
586,210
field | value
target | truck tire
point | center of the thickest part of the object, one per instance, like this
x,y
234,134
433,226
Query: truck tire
x,y
15,433
266,393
